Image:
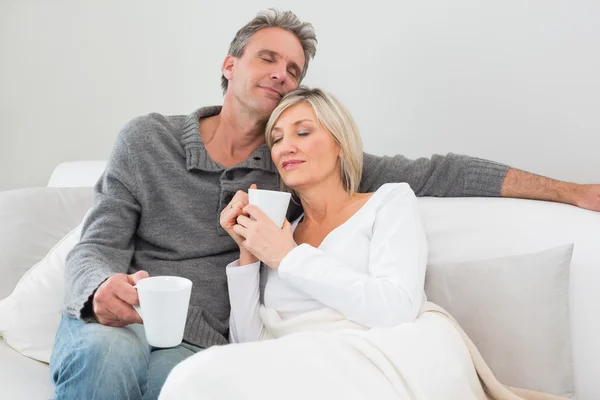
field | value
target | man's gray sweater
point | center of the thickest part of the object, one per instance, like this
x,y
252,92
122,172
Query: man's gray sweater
x,y
157,209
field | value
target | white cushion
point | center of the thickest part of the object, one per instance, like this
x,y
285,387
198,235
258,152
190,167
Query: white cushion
x,y
76,174
29,317
516,311
22,378
32,221
462,229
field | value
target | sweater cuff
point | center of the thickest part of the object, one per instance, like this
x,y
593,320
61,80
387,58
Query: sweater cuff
x,y
485,178
80,305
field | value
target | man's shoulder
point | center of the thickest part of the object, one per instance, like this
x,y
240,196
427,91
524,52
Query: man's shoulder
x,y
146,127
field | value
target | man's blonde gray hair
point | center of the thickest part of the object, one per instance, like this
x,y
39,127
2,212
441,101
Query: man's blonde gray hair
x,y
273,18
336,118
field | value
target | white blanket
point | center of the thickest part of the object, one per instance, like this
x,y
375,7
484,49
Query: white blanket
x,y
322,355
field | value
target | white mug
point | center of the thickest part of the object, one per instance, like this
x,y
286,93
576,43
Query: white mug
x,y
271,202
164,302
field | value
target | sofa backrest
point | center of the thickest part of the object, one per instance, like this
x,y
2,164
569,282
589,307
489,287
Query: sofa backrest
x,y
463,229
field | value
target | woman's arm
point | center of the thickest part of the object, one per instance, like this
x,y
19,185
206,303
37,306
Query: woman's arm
x,y
392,291
245,324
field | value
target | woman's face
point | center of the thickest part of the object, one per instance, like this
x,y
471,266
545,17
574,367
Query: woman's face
x,y
304,151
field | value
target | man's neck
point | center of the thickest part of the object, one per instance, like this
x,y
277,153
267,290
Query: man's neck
x,y
233,135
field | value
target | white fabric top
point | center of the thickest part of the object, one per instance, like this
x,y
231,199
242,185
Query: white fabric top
x,y
371,269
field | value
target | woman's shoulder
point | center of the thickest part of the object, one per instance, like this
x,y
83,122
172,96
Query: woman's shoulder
x,y
390,196
395,200
392,192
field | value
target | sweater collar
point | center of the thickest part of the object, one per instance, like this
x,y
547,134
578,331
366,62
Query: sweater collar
x,y
197,157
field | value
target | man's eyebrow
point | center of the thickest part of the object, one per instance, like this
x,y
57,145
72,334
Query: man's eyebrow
x,y
276,55
268,52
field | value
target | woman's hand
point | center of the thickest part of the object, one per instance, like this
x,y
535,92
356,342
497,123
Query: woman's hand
x,y
263,238
228,220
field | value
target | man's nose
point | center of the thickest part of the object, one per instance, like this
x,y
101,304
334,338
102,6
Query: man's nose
x,y
279,74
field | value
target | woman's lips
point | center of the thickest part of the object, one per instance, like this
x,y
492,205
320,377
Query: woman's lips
x,y
291,164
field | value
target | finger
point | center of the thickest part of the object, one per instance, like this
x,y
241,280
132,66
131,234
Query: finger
x,y
237,207
106,317
234,208
286,225
134,278
253,186
240,195
240,230
254,212
109,322
244,221
123,312
126,292
228,218
135,317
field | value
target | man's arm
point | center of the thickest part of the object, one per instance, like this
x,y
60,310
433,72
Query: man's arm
x,y
452,175
106,245
455,175
524,185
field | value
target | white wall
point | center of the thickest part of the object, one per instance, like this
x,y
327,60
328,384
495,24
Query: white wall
x,y
515,81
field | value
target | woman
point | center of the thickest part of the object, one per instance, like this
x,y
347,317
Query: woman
x,y
362,254
342,282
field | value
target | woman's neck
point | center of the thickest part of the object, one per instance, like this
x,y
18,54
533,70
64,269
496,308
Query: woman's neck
x,y
320,203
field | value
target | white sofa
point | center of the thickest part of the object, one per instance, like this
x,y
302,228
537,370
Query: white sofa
x,y
458,230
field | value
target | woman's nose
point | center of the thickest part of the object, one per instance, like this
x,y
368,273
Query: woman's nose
x,y
288,146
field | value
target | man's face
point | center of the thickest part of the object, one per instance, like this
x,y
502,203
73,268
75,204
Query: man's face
x,y
269,68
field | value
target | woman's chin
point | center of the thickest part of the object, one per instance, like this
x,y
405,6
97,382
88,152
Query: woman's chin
x,y
294,184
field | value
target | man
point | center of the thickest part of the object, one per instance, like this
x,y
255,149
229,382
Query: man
x,y
158,203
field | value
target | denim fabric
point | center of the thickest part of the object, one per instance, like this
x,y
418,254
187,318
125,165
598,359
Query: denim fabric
x,y
93,362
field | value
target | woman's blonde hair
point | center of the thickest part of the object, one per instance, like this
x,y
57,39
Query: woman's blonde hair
x,y
337,120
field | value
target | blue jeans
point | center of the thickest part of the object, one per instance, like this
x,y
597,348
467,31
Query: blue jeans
x,y
92,361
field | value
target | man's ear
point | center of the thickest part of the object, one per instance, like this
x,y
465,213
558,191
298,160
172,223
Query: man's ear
x,y
227,67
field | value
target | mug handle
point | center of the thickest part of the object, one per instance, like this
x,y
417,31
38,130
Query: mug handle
x,y
138,308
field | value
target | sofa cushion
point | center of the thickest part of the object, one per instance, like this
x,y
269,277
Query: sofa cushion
x,y
34,220
515,310
29,317
22,378
465,229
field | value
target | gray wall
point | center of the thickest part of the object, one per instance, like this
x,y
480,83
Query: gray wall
x,y
513,81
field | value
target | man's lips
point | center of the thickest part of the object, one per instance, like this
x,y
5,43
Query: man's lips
x,y
271,90
290,163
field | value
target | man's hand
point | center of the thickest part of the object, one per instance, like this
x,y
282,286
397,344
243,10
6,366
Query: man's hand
x,y
588,197
114,300
524,185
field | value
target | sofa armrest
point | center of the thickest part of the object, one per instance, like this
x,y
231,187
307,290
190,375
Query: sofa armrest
x,y
76,174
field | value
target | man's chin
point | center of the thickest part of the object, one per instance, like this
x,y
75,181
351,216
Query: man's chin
x,y
268,107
